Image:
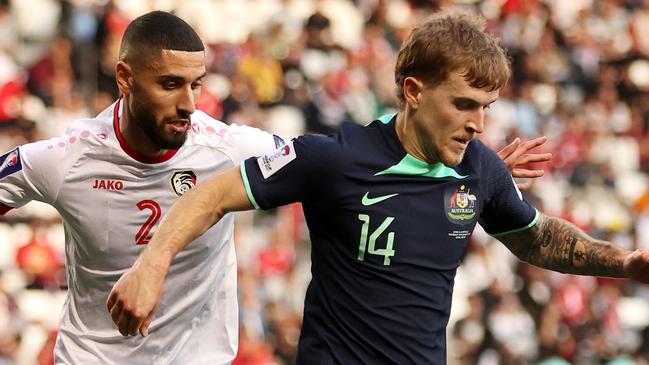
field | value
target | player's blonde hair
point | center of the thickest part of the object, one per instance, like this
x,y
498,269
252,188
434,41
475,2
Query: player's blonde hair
x,y
452,42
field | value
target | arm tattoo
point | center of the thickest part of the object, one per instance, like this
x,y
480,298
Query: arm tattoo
x,y
556,244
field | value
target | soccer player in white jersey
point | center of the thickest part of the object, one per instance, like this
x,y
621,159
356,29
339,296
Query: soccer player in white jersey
x,y
112,177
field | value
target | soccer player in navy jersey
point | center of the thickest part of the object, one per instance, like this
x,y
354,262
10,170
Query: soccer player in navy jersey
x,y
390,207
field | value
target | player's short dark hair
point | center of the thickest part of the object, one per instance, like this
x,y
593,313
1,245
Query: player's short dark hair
x,y
156,31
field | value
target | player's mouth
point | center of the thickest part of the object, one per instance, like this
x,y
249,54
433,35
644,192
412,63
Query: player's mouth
x,y
179,125
462,141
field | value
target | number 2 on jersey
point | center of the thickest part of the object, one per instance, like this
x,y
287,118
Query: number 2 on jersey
x,y
142,237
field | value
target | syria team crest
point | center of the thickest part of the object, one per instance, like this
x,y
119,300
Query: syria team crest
x,y
460,205
182,181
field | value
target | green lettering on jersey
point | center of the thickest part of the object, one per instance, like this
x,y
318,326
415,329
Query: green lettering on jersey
x,y
386,252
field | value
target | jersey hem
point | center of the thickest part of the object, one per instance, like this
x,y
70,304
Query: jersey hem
x,y
537,216
246,184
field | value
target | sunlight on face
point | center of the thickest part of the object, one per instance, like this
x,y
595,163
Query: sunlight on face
x,y
449,116
164,96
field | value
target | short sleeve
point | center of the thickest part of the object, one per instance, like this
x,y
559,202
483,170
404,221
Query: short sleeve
x,y
506,210
248,142
289,174
31,172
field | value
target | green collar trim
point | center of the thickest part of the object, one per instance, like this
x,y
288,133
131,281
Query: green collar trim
x,y
410,165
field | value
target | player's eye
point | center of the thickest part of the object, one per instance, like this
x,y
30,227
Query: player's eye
x,y
465,104
169,85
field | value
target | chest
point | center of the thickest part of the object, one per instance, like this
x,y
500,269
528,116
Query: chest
x,y
404,220
112,210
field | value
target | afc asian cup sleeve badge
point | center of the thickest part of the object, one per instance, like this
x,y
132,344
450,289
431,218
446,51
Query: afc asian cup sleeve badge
x,y
182,181
10,163
274,161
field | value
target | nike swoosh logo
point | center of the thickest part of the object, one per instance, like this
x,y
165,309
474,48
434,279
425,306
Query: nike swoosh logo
x,y
371,201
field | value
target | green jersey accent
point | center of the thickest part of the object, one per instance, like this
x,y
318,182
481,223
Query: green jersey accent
x,y
385,119
246,183
367,201
386,252
410,165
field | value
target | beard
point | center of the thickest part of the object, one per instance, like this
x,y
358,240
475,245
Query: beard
x,y
147,122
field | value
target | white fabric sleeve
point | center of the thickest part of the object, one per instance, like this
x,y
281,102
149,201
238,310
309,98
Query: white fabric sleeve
x,y
249,142
32,172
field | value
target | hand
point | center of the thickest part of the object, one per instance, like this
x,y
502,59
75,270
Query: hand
x,y
515,154
636,266
135,297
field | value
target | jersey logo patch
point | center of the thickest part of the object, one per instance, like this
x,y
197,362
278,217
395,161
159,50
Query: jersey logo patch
x,y
367,201
460,205
108,184
10,163
276,160
279,142
182,181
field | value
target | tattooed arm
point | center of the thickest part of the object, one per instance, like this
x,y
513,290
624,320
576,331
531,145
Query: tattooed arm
x,y
558,245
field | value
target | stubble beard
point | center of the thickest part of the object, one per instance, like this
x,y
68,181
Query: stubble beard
x,y
147,123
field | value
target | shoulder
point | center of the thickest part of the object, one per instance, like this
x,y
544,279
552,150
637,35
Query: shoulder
x,y
481,158
236,141
212,132
81,135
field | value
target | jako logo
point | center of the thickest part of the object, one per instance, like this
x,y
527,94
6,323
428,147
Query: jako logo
x,y
108,185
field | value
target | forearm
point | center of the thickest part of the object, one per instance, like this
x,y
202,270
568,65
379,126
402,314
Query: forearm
x,y
189,217
556,244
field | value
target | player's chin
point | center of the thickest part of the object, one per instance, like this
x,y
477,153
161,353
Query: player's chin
x,y
452,159
173,141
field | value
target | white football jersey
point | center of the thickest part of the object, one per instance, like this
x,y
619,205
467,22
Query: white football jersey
x,y
111,199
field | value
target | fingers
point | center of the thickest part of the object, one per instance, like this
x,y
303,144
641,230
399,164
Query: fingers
x,y
144,327
534,157
525,173
533,143
132,325
111,301
523,186
115,310
507,150
126,321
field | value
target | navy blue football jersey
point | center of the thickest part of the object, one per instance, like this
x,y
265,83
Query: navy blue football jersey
x,y
388,232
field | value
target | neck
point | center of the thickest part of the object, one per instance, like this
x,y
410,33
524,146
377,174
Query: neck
x,y
134,136
408,136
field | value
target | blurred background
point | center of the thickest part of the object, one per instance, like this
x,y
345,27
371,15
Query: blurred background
x,y
581,75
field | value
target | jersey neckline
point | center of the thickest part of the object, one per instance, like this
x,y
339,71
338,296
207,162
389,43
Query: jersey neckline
x,y
131,151
409,164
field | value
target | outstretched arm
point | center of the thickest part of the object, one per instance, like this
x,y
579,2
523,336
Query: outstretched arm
x,y
516,155
558,245
136,294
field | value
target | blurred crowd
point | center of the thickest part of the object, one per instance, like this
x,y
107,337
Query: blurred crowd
x,y
580,76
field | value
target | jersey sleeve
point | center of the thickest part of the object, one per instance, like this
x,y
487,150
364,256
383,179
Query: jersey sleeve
x,y
505,210
248,142
30,172
291,173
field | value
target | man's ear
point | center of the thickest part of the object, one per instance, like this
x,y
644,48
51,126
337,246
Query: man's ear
x,y
411,91
124,77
